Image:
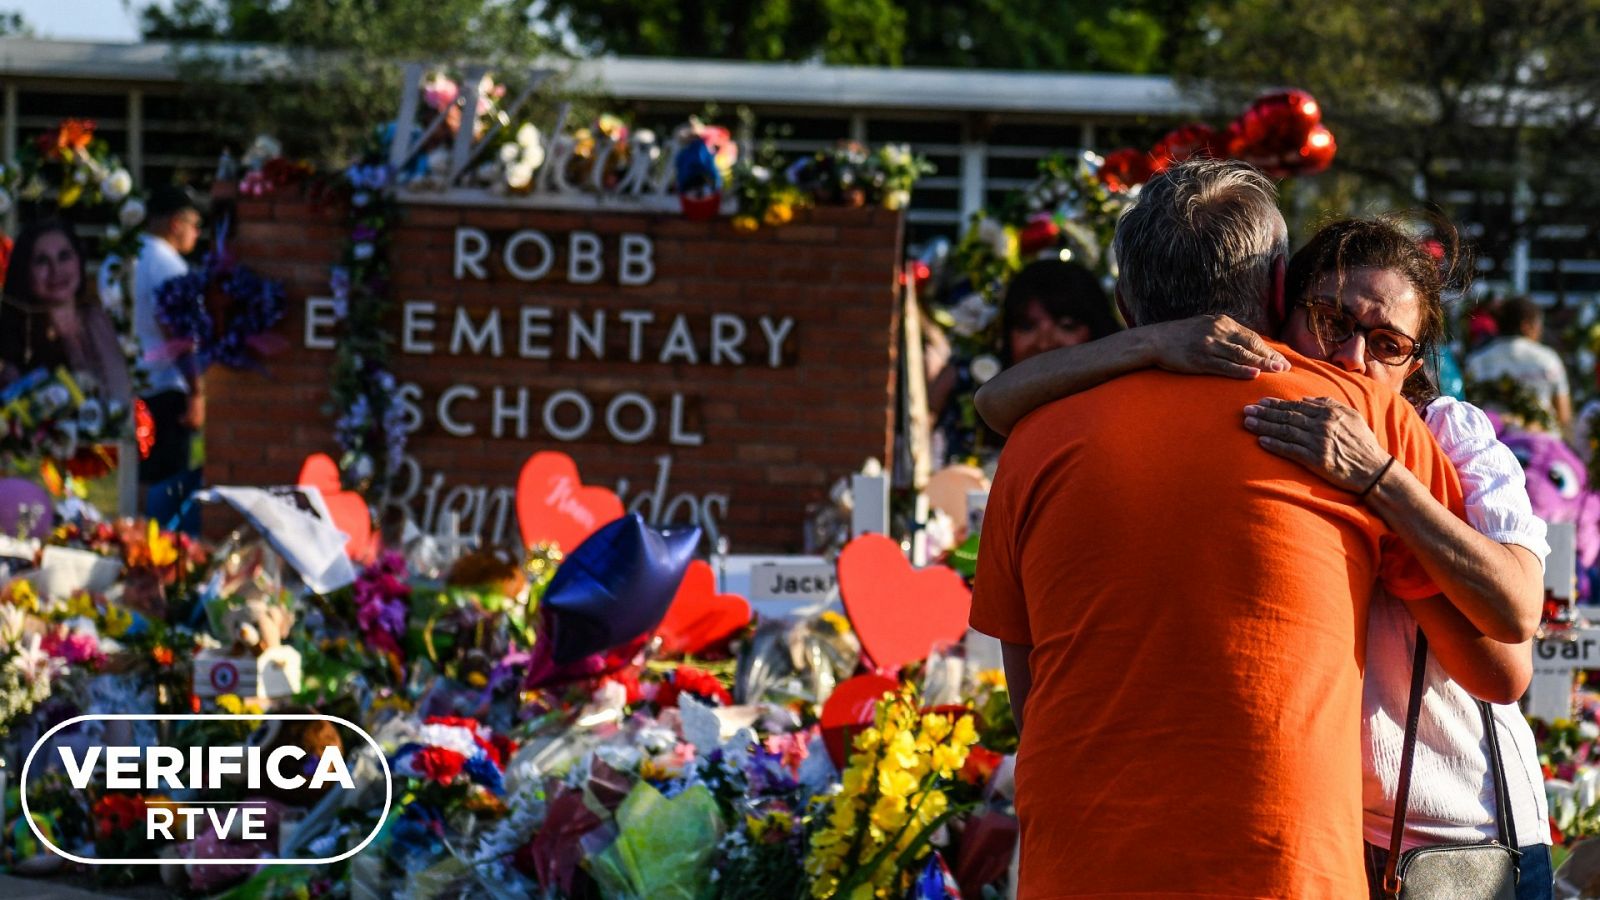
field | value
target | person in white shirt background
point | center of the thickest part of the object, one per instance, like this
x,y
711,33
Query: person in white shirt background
x,y
176,398
1519,354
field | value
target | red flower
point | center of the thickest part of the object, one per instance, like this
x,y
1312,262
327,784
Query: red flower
x,y
1556,837
162,656
980,766
629,679
689,680
438,763
114,813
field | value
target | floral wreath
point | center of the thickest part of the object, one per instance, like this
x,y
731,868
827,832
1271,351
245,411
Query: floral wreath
x,y
242,336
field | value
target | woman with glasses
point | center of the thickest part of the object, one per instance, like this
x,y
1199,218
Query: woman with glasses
x,y
1364,295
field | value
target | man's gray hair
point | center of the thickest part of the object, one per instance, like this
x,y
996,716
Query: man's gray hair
x,y
1203,237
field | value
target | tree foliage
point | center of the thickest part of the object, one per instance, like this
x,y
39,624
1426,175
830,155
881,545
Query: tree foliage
x,y
325,71
1435,99
1075,35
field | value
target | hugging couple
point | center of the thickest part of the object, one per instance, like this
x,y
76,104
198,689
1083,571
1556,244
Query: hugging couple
x,y
1219,546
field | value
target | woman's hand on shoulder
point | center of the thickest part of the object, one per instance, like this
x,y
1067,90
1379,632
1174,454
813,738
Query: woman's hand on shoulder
x,y
1324,435
1212,345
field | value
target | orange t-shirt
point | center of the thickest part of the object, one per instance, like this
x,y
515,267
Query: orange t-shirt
x,y
1196,608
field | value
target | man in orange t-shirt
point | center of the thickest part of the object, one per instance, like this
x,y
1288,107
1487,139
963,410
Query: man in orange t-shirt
x,y
1183,613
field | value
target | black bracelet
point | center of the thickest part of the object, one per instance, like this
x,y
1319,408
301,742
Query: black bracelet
x,y
1379,477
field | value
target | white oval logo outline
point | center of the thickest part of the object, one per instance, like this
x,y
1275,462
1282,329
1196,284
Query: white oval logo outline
x,y
388,794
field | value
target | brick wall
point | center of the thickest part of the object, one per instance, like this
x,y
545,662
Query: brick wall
x,y
771,439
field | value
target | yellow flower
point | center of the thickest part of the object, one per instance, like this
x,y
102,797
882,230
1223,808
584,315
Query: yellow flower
x,y
745,224
965,733
935,726
899,784
837,622
477,679
901,752
118,620
778,214
80,604
162,550
23,595
948,760
230,704
994,678
933,805
868,739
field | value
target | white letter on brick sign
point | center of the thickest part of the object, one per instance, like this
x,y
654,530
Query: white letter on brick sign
x,y
448,422
413,325
585,415
727,336
775,337
679,343
678,435
583,258
503,411
647,417
320,315
533,328
487,335
547,255
472,246
636,265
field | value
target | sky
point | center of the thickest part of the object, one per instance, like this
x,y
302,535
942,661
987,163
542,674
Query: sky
x,y
92,20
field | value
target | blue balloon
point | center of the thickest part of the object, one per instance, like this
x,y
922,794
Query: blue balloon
x,y
615,587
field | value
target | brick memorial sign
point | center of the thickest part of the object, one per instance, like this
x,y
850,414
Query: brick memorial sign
x,y
706,375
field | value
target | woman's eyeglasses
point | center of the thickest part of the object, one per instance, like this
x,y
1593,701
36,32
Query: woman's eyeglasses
x,y
1333,325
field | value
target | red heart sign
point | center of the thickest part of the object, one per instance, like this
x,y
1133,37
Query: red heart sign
x,y
554,506
349,511
699,616
851,705
899,613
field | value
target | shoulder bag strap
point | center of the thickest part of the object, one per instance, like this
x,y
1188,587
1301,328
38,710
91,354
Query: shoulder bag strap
x,y
1504,816
1419,674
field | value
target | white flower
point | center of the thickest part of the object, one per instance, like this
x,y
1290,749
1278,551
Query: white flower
x,y
35,665
1588,730
519,177
984,368
12,619
972,315
117,185
510,153
528,136
131,215
991,232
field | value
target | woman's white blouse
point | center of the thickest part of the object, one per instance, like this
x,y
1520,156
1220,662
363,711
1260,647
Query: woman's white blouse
x,y
1452,799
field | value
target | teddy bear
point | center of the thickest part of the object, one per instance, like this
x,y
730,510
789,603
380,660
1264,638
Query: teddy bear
x,y
256,626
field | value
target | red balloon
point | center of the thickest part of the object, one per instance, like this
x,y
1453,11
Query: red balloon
x,y
1126,168
850,707
1184,142
1276,124
1317,154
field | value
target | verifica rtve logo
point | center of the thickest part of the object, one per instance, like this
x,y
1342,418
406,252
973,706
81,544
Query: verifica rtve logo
x,y
194,770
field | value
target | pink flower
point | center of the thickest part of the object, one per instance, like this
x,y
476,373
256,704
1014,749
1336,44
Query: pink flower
x,y
75,647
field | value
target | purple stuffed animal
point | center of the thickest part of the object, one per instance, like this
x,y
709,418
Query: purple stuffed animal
x,y
1558,485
